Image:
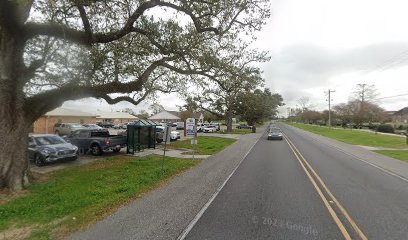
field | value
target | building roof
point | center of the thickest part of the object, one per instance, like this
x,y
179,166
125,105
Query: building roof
x,y
65,112
165,115
175,113
403,111
115,115
144,123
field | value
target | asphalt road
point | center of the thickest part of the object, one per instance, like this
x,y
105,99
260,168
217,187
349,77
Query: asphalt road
x,y
317,193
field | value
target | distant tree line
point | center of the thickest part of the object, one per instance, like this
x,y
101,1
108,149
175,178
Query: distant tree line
x,y
361,111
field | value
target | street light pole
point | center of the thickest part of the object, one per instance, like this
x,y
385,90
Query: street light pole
x,y
329,100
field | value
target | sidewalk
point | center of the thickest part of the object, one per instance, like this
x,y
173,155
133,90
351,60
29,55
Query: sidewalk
x,y
387,164
165,212
170,153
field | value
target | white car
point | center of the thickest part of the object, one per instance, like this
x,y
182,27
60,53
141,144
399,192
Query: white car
x,y
174,135
210,129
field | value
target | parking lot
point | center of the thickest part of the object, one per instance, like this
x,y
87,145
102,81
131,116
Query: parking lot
x,y
86,158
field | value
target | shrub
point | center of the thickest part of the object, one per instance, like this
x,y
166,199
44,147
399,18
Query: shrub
x,y
386,128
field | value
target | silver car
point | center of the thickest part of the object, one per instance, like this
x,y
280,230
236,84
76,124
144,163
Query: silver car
x,y
66,128
45,148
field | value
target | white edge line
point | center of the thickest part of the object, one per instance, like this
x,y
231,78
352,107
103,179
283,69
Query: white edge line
x,y
204,208
355,156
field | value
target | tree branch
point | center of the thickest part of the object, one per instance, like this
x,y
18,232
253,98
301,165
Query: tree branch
x,y
110,100
41,103
195,20
85,21
82,37
213,112
86,37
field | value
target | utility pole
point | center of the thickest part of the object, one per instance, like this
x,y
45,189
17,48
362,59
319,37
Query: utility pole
x,y
329,100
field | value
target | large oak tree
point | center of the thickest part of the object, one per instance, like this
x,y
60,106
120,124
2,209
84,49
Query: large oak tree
x,y
54,51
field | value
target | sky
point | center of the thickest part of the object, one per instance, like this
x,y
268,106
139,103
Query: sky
x,y
317,45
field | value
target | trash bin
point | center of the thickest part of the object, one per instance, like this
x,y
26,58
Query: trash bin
x,y
254,129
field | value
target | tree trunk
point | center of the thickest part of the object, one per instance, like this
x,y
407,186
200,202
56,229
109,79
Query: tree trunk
x,y
14,123
14,128
13,154
228,118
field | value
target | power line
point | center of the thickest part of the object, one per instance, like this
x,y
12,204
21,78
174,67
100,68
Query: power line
x,y
387,64
400,95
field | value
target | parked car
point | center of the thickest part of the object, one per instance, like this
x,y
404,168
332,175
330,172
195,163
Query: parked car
x,y
210,129
105,124
275,134
97,141
66,128
159,134
244,126
180,126
92,126
217,126
174,135
45,148
201,126
117,126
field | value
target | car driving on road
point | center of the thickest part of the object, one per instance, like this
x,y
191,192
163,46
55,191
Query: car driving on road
x,y
275,134
45,148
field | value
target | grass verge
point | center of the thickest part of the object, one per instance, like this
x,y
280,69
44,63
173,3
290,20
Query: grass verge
x,y
237,131
401,155
355,137
77,197
205,145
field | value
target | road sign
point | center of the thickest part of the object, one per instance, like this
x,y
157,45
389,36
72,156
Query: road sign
x,y
190,127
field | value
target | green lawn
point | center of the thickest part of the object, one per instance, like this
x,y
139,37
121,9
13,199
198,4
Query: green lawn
x,y
205,146
401,155
237,131
355,137
73,198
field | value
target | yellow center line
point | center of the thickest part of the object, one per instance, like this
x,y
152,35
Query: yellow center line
x,y
319,191
344,212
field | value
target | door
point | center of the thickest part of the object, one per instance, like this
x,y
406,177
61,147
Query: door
x,y
31,148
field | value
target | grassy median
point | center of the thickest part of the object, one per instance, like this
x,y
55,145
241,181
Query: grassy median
x,y
397,154
355,137
205,145
73,198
